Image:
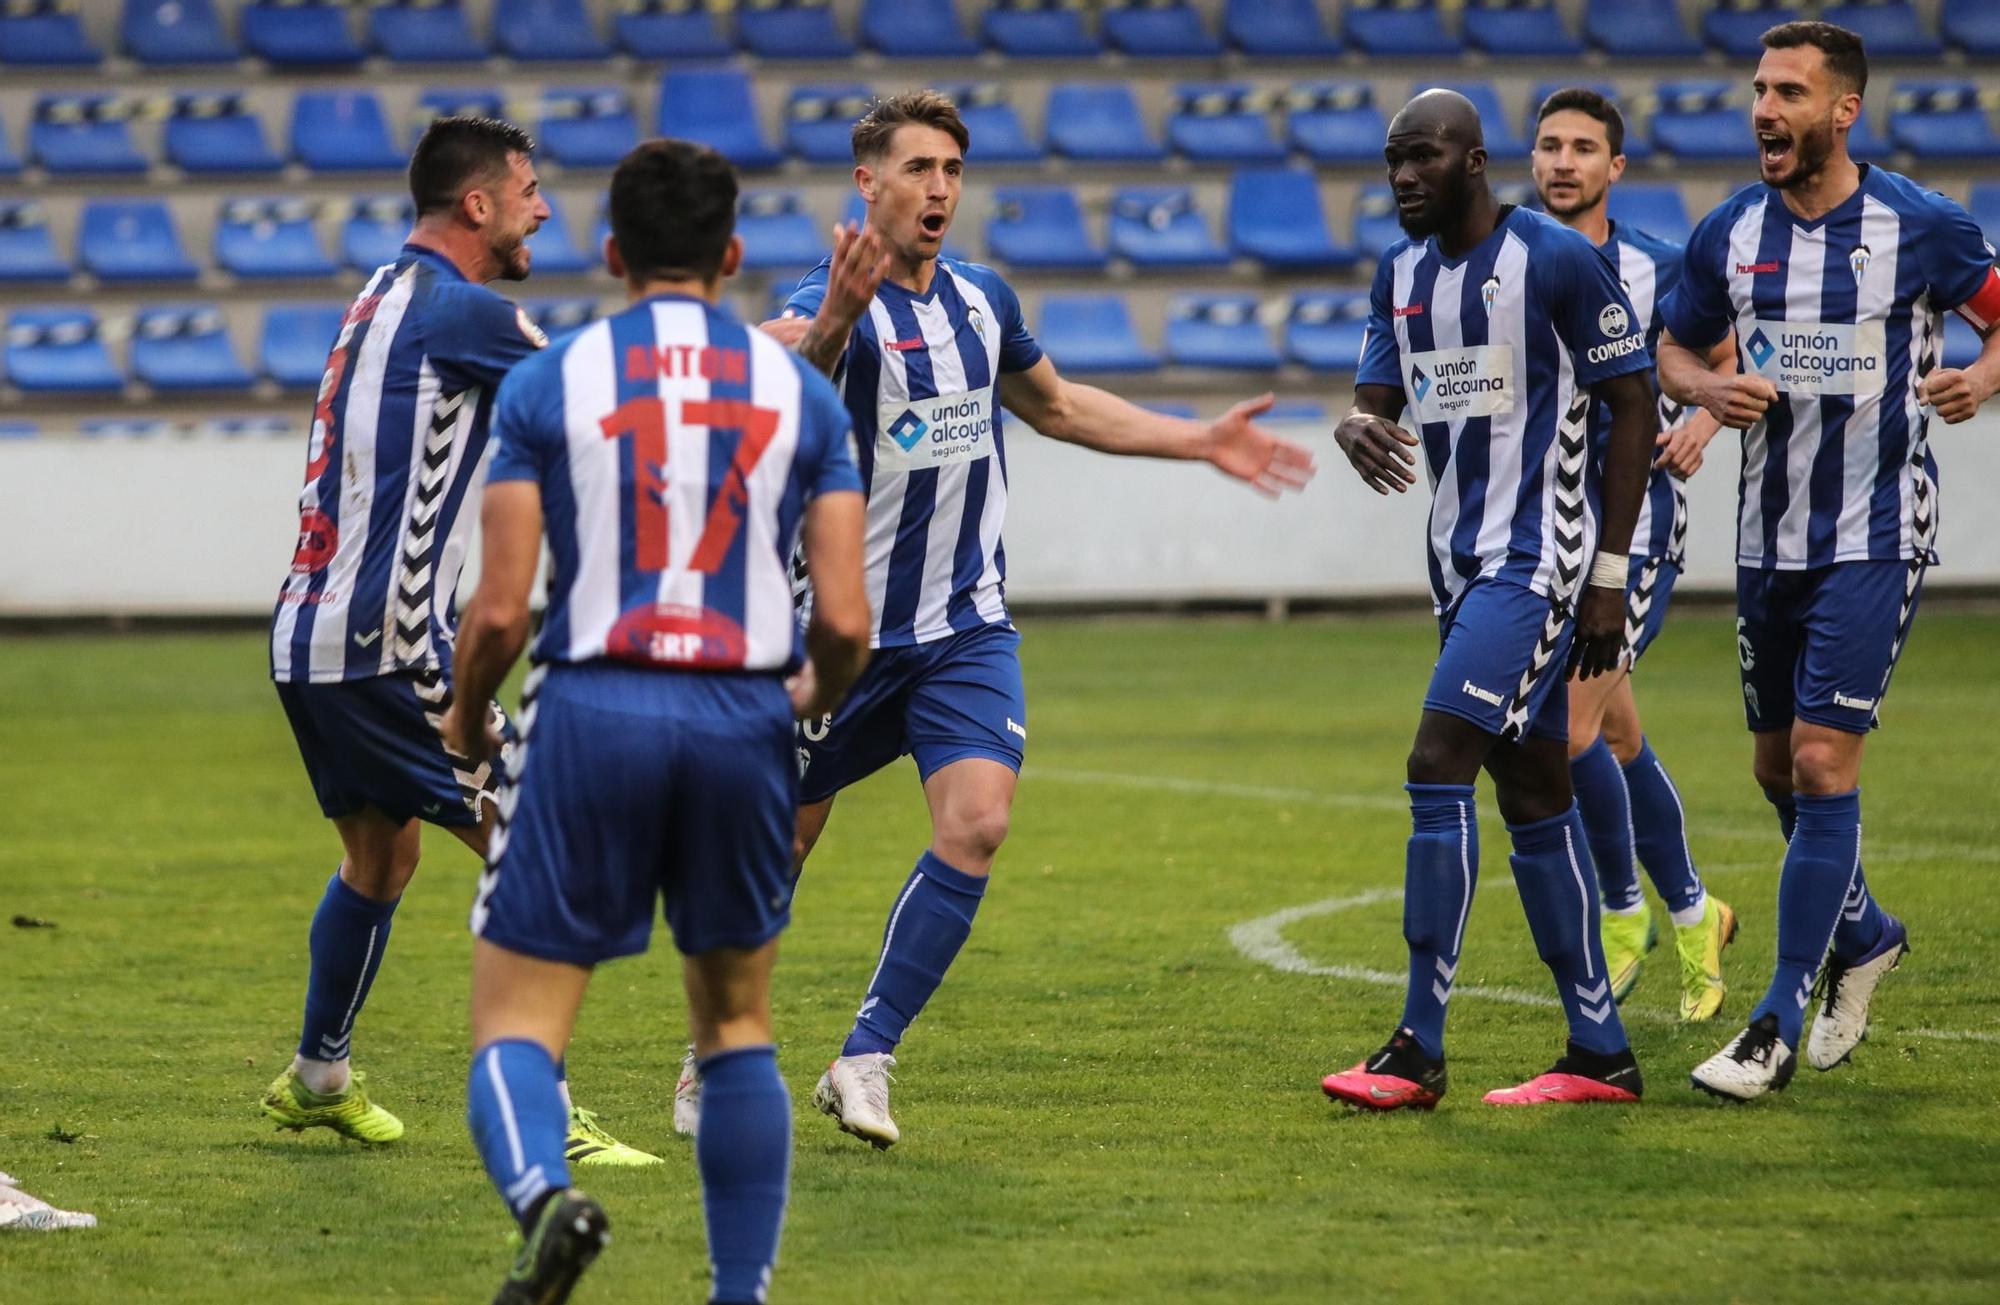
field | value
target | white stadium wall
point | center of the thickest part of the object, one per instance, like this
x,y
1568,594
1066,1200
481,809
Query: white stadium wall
x,y
203,526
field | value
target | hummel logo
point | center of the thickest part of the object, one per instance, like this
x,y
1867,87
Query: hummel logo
x,y
364,640
432,808
1484,695
1015,727
1856,704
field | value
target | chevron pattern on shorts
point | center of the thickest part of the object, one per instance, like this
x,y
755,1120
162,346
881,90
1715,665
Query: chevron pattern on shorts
x,y
1572,450
512,761
475,781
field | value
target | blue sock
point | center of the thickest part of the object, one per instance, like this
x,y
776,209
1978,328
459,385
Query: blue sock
x,y
1559,892
1787,809
518,1121
349,934
1659,830
1439,873
744,1151
1820,864
931,921
1607,818
1861,923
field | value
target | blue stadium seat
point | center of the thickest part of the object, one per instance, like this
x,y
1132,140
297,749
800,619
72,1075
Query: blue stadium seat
x,y
175,32
248,427
83,133
713,106
1284,29
1503,142
1971,25
1041,227
1040,29
343,131
131,240
1218,331
423,31
915,29
1519,28
458,101
792,29
1962,344
10,162
1701,120
1736,27
1867,144
778,231
270,238
1323,329
373,232
298,34
1942,120
1275,217
27,246
1222,122
672,29
1653,207
186,347
588,127
1985,209
1400,29
296,341
1295,410
547,31
1336,122
1637,147
59,351
217,133
1624,30
126,428
44,33
561,317
553,252
819,121
1160,226
1375,224
1092,333
19,430
996,130
1158,29
1099,121
1889,29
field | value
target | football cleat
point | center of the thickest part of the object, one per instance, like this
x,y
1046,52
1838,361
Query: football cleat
x,y
1755,1063
1580,1077
1627,939
687,1096
855,1091
589,1144
568,1233
21,1212
351,1114
1846,988
1398,1076
1699,947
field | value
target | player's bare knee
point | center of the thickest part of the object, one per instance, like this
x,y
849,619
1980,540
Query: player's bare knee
x,y
1624,744
973,836
1434,761
1821,768
380,878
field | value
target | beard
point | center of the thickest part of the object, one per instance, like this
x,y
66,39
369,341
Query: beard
x,y
1584,202
513,258
1810,151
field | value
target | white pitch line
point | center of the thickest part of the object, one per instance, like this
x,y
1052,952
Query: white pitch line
x,y
1871,851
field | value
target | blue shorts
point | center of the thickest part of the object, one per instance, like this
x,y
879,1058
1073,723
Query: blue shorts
x,y
1819,645
1487,671
378,742
631,784
1649,590
941,702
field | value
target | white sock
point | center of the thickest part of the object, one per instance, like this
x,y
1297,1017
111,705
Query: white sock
x,y
1625,910
327,1077
1690,917
562,1086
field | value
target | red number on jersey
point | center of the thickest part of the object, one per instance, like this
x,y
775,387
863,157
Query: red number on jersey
x,y
645,420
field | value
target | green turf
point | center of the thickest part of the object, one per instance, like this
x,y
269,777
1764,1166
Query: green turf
x,y
1106,1102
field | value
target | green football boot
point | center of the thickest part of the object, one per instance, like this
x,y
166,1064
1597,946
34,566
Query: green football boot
x,y
1700,949
1627,939
351,1114
569,1232
589,1144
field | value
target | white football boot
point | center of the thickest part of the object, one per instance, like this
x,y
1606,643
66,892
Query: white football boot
x,y
855,1091
1755,1063
687,1096
1847,987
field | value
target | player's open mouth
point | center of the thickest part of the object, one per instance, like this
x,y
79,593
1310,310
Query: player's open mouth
x,y
933,225
1773,148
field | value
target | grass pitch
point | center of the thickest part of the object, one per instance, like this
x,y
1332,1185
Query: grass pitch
x,y
1107,1101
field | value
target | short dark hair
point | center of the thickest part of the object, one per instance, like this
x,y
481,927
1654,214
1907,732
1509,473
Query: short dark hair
x,y
924,108
1584,100
457,152
673,210
1846,56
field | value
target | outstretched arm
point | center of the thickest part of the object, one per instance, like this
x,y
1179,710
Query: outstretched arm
x,y
1098,419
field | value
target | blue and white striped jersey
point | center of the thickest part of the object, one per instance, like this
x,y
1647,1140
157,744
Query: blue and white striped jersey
x,y
1649,267
921,379
1842,314
675,449
397,435
1495,353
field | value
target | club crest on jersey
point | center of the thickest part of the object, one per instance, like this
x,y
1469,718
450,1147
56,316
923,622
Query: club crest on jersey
x,y
1857,262
909,430
1614,321
977,321
1489,292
